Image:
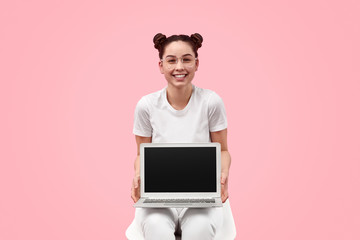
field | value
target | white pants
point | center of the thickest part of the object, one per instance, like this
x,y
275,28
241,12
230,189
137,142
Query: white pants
x,y
191,223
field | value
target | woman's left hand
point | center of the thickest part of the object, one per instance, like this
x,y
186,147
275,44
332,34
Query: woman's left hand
x,y
224,186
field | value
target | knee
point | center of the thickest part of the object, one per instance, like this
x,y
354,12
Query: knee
x,y
156,219
201,224
199,227
158,226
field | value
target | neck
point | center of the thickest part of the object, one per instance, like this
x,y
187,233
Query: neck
x,y
179,97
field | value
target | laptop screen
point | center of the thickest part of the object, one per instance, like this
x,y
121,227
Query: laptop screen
x,y
179,169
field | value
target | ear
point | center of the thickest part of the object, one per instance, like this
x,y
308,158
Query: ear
x,y
161,67
196,64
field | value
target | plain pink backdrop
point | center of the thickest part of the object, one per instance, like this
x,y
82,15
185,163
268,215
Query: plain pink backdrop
x,y
72,72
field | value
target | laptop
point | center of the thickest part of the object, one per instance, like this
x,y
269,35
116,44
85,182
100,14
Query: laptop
x,y
180,175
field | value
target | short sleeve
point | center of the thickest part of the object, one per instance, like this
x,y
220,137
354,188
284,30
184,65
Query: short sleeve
x,y
217,113
142,125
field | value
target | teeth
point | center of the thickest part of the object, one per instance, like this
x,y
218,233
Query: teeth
x,y
180,76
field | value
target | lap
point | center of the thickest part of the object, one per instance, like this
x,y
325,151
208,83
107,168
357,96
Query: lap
x,y
194,216
212,215
160,214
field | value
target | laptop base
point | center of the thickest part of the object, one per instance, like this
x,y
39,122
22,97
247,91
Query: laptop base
x,y
140,204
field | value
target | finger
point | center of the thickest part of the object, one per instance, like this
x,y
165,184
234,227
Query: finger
x,y
136,182
224,197
135,194
134,197
223,178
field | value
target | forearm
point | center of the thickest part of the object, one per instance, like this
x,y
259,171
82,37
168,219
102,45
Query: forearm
x,y
139,140
137,166
225,162
221,137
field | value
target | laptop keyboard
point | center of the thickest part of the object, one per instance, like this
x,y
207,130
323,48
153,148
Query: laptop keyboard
x,y
179,200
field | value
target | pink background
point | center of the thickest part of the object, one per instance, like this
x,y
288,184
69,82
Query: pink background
x,y
72,71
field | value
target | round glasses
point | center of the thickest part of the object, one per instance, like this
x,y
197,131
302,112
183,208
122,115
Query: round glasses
x,y
170,62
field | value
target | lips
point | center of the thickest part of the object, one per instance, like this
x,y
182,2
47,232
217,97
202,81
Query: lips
x,y
180,77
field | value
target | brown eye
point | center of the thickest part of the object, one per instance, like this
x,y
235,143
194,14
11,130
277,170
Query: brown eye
x,y
171,60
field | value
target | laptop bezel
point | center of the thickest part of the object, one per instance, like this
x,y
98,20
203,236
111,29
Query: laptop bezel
x,y
182,194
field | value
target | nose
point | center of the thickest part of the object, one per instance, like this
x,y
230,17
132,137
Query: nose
x,y
179,65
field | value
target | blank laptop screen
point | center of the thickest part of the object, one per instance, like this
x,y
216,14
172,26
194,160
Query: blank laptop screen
x,y
180,169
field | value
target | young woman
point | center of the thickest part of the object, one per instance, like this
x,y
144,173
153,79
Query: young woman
x,y
180,112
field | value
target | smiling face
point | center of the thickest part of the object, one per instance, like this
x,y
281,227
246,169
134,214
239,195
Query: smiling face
x,y
180,74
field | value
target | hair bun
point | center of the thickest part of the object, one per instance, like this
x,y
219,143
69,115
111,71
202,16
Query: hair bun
x,y
198,39
158,40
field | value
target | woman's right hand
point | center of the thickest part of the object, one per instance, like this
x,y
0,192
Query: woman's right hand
x,y
135,189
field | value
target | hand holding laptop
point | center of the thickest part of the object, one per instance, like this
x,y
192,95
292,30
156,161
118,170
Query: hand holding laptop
x,y
224,186
135,190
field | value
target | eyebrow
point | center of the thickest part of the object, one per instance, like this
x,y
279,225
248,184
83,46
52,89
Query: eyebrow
x,y
188,54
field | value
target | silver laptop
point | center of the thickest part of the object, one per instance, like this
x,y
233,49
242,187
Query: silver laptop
x,y
180,175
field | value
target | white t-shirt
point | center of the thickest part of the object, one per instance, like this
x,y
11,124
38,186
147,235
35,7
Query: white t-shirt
x,y
156,118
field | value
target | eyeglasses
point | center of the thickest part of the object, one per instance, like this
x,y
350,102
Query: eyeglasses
x,y
187,61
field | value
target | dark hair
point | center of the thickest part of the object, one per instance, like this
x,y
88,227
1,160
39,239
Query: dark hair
x,y
161,41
